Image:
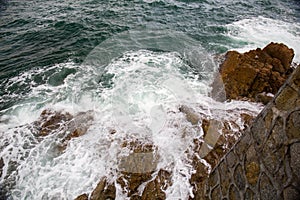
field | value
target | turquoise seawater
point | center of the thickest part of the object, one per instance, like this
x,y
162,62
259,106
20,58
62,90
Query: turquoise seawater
x,y
130,63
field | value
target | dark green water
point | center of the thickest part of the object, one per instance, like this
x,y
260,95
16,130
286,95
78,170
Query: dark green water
x,y
41,33
38,34
43,44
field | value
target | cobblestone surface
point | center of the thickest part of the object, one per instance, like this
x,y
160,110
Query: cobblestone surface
x,y
265,162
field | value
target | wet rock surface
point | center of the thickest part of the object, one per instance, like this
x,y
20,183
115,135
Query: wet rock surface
x,y
69,126
258,160
218,138
254,74
137,167
104,190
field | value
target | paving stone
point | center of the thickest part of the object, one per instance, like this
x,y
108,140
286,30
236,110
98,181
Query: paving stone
x,y
266,189
259,132
286,99
291,193
249,195
216,193
231,159
234,193
295,159
239,178
293,125
225,178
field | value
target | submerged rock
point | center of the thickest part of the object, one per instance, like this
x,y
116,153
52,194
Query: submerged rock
x,y
247,75
103,190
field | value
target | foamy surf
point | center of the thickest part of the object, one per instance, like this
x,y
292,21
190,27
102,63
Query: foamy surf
x,y
260,31
137,95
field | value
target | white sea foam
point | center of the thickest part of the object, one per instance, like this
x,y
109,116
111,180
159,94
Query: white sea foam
x,y
138,95
259,31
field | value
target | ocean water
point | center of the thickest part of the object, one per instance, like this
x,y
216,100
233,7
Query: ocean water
x,y
129,65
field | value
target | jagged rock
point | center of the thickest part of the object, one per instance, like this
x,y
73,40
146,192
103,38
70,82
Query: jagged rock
x,y
104,190
198,178
50,121
264,98
57,121
138,166
254,72
191,116
155,188
281,52
82,197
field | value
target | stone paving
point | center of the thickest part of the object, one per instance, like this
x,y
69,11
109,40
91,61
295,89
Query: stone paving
x,y
265,162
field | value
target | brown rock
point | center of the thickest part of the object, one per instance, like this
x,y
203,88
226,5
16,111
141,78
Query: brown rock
x,y
138,166
191,115
50,121
104,190
252,73
263,98
131,181
82,197
281,52
155,188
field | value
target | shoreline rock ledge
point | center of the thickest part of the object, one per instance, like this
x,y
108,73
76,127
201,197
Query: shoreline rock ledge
x,y
263,164
256,75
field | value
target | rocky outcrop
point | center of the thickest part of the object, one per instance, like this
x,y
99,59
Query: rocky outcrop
x,y
137,167
104,190
155,188
255,74
51,122
264,163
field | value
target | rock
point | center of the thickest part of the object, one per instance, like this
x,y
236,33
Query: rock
x,y
82,197
51,121
281,52
104,190
264,98
247,75
137,167
191,115
217,139
155,188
